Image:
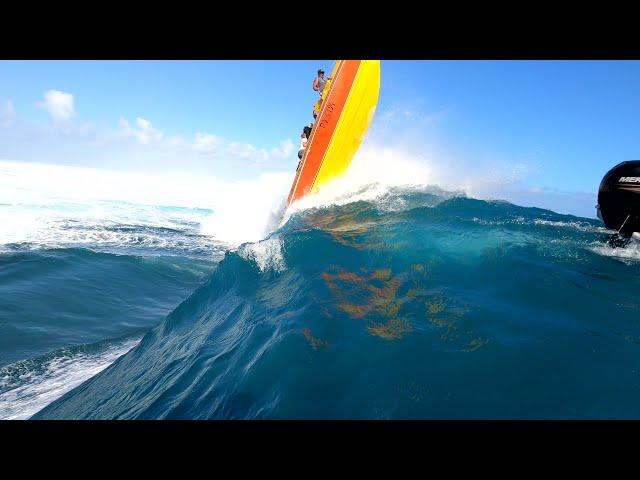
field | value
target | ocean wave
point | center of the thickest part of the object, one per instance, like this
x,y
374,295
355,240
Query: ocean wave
x,y
267,254
398,304
29,385
113,227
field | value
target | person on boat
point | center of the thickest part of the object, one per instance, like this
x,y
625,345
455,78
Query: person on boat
x,y
303,145
319,85
319,82
304,140
307,130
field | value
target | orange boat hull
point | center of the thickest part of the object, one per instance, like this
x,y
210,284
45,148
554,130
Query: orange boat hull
x,y
343,77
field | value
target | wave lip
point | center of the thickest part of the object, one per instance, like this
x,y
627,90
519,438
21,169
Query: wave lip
x,y
410,304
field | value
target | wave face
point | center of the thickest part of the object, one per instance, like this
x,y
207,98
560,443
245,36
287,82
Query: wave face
x,y
419,304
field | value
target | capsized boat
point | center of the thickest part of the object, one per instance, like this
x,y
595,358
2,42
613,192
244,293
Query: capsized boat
x,y
349,102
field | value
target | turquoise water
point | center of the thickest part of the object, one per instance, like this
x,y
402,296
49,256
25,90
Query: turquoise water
x,y
419,304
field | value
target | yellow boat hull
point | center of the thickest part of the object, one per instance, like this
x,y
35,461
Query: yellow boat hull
x,y
353,124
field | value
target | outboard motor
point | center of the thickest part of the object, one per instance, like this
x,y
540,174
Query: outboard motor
x,y
619,198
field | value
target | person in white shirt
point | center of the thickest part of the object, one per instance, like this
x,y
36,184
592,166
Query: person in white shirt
x,y
304,140
303,145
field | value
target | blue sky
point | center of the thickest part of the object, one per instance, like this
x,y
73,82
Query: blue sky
x,y
554,127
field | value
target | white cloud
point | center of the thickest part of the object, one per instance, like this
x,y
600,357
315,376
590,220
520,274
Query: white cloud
x,y
205,142
284,151
7,114
242,150
173,142
212,144
59,105
67,137
249,152
145,133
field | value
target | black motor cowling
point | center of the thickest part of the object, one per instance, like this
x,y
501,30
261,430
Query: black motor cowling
x,y
619,198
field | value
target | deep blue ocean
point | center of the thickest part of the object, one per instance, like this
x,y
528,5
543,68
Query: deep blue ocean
x,y
416,304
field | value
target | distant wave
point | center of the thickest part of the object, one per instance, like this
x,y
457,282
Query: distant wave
x,y
106,226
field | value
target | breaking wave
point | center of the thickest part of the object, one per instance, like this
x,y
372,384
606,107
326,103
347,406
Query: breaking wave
x,y
404,302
